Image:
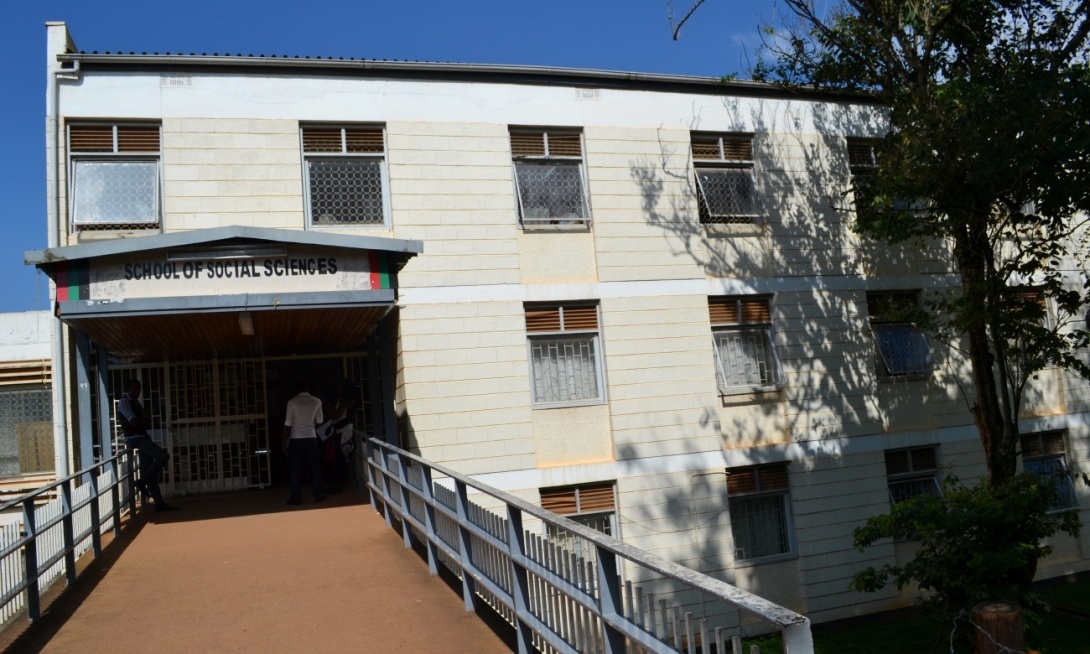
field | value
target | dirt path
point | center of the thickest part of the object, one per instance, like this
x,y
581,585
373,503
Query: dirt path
x,y
245,573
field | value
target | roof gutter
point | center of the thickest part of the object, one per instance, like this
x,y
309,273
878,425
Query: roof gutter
x,y
590,76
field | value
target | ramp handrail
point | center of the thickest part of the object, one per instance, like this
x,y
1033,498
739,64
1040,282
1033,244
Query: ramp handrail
x,y
56,528
563,592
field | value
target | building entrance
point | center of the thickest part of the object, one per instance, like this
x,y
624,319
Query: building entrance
x,y
221,419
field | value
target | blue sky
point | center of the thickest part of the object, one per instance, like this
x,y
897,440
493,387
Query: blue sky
x,y
630,35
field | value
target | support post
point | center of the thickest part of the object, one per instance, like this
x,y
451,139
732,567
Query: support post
x,y
96,519
469,585
115,496
610,601
30,561
386,380
67,532
83,402
406,498
105,433
428,492
520,583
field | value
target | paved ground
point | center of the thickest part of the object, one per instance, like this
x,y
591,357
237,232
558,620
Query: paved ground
x,y
246,573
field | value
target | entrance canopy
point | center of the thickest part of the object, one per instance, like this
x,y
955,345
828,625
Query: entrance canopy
x,y
226,292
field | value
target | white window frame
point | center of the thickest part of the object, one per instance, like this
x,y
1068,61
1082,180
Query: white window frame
x,y
75,159
762,330
1060,470
722,163
882,366
788,520
594,338
344,155
553,222
928,476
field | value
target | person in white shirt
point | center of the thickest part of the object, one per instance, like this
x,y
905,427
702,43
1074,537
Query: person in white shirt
x,y
303,413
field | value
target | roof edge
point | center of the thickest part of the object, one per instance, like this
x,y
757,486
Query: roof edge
x,y
198,236
542,73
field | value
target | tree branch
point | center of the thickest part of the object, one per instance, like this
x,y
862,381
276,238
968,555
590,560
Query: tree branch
x,y
676,27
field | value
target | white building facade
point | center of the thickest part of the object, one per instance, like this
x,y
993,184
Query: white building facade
x,y
635,299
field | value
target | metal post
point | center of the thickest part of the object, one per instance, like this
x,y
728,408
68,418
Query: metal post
x,y
96,535
610,601
406,497
30,561
83,402
66,530
520,584
374,389
115,495
469,586
428,493
384,465
105,434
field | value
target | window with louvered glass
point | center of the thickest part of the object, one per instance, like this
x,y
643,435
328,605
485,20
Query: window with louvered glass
x,y
549,178
725,183
114,173
902,349
565,363
592,506
911,472
759,500
346,178
745,357
1045,455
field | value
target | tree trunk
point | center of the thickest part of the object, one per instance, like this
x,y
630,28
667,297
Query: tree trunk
x,y
1000,628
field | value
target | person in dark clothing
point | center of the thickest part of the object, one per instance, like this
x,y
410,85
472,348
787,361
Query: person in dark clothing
x,y
134,424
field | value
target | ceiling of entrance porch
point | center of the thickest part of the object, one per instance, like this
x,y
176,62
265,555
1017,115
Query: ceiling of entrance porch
x,y
198,336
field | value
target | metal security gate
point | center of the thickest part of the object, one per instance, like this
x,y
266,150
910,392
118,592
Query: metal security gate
x,y
213,418
210,415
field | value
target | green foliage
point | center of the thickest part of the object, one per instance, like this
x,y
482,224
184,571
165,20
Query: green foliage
x,y
987,150
975,542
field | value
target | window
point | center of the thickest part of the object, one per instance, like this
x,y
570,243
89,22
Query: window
x,y
593,506
549,178
1044,455
114,172
726,187
1026,303
903,352
745,358
759,514
346,175
911,472
565,363
863,166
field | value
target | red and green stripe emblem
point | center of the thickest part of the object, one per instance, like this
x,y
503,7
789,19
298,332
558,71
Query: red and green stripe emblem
x,y
73,281
379,264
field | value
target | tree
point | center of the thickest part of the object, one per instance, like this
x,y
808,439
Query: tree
x,y
989,149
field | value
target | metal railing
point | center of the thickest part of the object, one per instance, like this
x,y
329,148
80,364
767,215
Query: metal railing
x,y
584,592
60,522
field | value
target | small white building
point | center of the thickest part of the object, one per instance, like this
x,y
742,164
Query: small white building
x,y
635,299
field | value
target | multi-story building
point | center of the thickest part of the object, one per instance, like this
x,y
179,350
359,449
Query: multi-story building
x,y
635,299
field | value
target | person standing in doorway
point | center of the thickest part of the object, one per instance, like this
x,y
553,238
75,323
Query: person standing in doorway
x,y
301,440
134,424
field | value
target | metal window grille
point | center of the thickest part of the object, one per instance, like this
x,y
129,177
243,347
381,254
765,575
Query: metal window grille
x,y
549,178
759,526
758,510
912,472
551,193
745,355
346,192
346,176
564,369
727,195
1044,455
563,351
726,189
114,176
903,349
743,358
26,431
